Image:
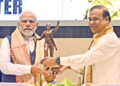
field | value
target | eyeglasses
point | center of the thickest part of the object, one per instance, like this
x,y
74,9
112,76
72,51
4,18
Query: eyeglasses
x,y
30,21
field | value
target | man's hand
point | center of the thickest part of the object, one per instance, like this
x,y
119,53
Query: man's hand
x,y
48,73
37,69
49,62
62,69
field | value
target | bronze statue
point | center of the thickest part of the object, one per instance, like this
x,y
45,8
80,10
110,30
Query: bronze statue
x,y
49,42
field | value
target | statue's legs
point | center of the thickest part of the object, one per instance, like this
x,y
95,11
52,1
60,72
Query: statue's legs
x,y
51,51
45,51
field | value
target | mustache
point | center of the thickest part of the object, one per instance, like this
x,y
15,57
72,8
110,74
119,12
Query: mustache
x,y
27,28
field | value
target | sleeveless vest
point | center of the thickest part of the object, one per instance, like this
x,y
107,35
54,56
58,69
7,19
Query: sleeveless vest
x,y
12,78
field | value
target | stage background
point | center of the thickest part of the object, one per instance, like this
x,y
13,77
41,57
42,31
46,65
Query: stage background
x,y
73,37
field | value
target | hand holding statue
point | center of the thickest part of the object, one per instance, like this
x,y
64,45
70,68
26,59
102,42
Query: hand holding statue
x,y
49,75
50,63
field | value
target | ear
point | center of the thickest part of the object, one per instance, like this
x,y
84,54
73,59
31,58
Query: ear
x,y
107,19
37,24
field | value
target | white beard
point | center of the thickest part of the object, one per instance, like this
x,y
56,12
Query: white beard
x,y
27,33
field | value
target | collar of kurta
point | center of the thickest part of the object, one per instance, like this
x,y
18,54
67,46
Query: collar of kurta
x,y
106,30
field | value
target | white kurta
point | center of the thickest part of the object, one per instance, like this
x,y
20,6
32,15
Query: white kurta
x,y
5,64
104,58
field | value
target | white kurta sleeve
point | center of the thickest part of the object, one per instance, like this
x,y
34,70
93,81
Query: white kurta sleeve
x,y
5,61
104,49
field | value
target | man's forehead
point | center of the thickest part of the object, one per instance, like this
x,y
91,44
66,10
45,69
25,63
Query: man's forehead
x,y
27,14
27,18
96,12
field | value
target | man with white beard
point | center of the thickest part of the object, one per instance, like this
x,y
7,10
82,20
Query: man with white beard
x,y
20,55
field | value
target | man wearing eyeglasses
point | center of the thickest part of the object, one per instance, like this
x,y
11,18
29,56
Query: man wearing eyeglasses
x,y
20,55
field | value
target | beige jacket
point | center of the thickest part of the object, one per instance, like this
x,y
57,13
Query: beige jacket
x,y
104,57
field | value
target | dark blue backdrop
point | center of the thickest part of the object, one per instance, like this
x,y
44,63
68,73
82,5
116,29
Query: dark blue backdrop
x,y
63,32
